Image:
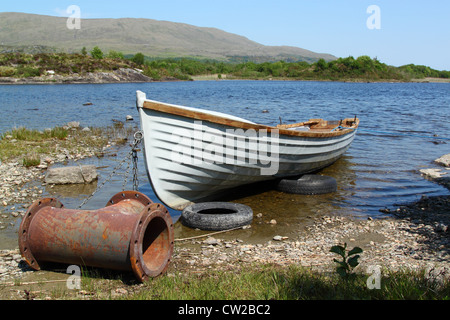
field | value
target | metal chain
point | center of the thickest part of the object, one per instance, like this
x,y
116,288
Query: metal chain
x,y
135,171
138,136
127,172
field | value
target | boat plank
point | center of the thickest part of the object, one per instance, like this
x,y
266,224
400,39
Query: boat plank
x,y
321,132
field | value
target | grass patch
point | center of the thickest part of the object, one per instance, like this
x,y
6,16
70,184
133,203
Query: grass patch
x,y
292,283
25,134
28,146
256,282
31,160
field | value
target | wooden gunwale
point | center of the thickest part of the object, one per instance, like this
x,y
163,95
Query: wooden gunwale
x,y
318,128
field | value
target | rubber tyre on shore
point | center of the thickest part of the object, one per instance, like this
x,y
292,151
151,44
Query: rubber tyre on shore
x,y
309,184
217,216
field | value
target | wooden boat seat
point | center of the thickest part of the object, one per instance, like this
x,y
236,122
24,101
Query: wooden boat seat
x,y
319,125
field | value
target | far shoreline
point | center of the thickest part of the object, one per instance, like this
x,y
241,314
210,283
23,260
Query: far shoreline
x,y
33,81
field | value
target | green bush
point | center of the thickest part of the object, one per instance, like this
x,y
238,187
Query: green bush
x,y
152,73
96,53
7,71
27,72
115,55
321,65
139,59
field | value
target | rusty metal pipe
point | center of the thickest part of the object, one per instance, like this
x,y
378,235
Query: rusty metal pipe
x,y
130,234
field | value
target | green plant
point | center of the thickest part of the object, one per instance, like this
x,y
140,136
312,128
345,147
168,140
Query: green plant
x,y
59,133
7,71
97,53
31,160
115,55
321,65
349,260
152,73
139,59
26,72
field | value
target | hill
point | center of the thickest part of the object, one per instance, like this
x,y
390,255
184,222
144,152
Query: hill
x,y
153,38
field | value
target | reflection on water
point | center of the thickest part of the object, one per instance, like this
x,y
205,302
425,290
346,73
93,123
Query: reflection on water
x,y
71,190
379,170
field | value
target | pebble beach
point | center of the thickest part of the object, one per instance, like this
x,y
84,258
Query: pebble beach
x,y
413,236
416,237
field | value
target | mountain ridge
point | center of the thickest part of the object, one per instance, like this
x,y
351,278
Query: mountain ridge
x,y
153,38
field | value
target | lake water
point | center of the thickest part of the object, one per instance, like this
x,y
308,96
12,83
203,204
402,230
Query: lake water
x,y
395,140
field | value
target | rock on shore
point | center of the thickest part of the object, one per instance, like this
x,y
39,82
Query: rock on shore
x,y
71,175
11,264
444,160
439,175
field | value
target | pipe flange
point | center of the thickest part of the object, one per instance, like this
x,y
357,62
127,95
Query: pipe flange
x,y
25,226
152,242
129,195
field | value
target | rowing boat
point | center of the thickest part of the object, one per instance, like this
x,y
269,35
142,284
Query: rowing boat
x,y
194,155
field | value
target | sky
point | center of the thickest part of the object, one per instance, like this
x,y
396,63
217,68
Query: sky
x,y
396,32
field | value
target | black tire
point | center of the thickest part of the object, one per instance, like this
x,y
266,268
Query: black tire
x,y
308,184
217,216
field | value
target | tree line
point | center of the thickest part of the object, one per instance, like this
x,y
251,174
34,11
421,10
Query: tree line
x,y
349,68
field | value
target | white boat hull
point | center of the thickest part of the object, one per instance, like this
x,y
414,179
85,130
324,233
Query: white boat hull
x,y
191,159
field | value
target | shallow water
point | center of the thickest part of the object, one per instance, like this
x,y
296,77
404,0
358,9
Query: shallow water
x,y
395,140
